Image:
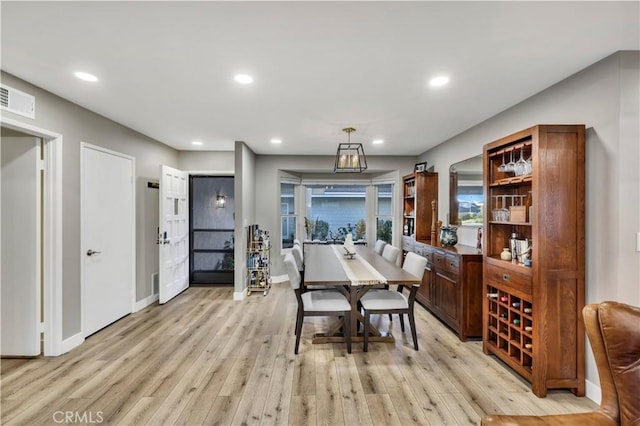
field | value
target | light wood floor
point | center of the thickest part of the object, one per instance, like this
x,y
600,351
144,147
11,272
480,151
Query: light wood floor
x,y
205,359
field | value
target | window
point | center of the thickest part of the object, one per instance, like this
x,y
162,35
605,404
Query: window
x,y
384,212
287,214
334,211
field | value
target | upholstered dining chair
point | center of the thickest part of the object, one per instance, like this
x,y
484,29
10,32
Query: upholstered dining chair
x,y
298,256
296,242
317,303
381,301
391,253
379,247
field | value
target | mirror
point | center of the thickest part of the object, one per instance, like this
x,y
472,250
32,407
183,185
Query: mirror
x,y
466,198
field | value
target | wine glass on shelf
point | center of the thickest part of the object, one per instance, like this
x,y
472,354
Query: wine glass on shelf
x,y
505,209
495,211
528,168
511,165
521,165
502,167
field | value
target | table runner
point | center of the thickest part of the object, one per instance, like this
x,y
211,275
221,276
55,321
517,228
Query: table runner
x,y
358,270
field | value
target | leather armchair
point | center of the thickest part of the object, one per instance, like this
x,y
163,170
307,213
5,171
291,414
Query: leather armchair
x,y
614,333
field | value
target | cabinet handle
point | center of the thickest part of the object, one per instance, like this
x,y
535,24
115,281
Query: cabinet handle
x,y
506,277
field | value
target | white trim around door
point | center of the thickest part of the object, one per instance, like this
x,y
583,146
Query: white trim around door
x,y
52,236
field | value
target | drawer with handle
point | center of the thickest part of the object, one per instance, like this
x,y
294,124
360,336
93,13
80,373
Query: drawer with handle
x,y
507,278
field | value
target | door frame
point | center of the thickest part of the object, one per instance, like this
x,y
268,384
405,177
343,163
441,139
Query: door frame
x,y
85,145
52,235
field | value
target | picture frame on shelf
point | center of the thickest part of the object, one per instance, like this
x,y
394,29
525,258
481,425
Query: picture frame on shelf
x,y
421,167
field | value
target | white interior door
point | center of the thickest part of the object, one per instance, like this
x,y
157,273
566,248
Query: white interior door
x,y
108,237
21,260
174,233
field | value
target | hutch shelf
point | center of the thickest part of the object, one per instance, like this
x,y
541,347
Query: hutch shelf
x,y
419,189
534,255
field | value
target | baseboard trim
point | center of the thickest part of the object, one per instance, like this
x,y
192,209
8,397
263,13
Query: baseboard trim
x,y
72,342
239,295
593,392
141,304
279,278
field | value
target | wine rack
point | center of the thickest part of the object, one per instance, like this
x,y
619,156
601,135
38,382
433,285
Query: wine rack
x,y
510,328
534,185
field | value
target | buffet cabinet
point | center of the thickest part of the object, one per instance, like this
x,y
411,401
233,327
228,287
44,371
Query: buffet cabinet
x,y
534,255
451,287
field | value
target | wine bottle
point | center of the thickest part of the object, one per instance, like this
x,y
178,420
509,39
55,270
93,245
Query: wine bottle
x,y
528,345
516,304
504,299
527,310
492,295
516,321
528,328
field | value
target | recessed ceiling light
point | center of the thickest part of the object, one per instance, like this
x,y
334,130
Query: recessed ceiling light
x,y
85,76
197,143
439,81
243,78
378,142
276,140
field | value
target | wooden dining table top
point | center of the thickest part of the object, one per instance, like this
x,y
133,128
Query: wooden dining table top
x,y
322,266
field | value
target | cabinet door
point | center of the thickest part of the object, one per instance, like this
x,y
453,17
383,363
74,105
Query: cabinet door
x,y
426,288
447,298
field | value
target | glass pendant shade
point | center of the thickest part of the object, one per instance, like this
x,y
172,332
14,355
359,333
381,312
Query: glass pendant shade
x,y
350,157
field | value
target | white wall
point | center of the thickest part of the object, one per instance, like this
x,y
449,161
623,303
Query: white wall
x,y
245,196
606,98
214,162
76,125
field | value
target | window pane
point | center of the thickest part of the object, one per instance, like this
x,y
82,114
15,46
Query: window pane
x,y
288,231
383,229
384,212
287,204
384,205
336,210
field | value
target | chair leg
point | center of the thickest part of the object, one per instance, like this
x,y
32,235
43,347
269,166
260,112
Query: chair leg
x,y
347,330
414,334
299,321
367,319
390,317
401,322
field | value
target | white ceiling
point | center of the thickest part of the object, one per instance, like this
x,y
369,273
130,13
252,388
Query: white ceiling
x,y
166,68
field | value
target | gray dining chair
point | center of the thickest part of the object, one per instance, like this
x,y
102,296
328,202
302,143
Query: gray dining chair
x,y
381,301
317,303
391,253
379,247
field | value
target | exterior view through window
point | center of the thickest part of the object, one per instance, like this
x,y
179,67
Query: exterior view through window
x,y
384,212
287,214
333,211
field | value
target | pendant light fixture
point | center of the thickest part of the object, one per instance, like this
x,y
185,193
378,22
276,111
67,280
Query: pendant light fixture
x,y
350,157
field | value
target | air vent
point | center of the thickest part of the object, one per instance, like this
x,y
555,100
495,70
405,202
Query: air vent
x,y
17,102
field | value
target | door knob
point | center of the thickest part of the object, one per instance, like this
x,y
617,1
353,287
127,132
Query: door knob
x,y
92,252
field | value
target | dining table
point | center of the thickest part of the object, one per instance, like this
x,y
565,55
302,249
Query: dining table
x,y
329,265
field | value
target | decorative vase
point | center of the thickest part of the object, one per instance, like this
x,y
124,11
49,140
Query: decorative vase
x,y
506,254
449,235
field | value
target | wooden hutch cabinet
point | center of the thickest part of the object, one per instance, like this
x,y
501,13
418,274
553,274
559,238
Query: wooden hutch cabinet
x,y
532,312
419,190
